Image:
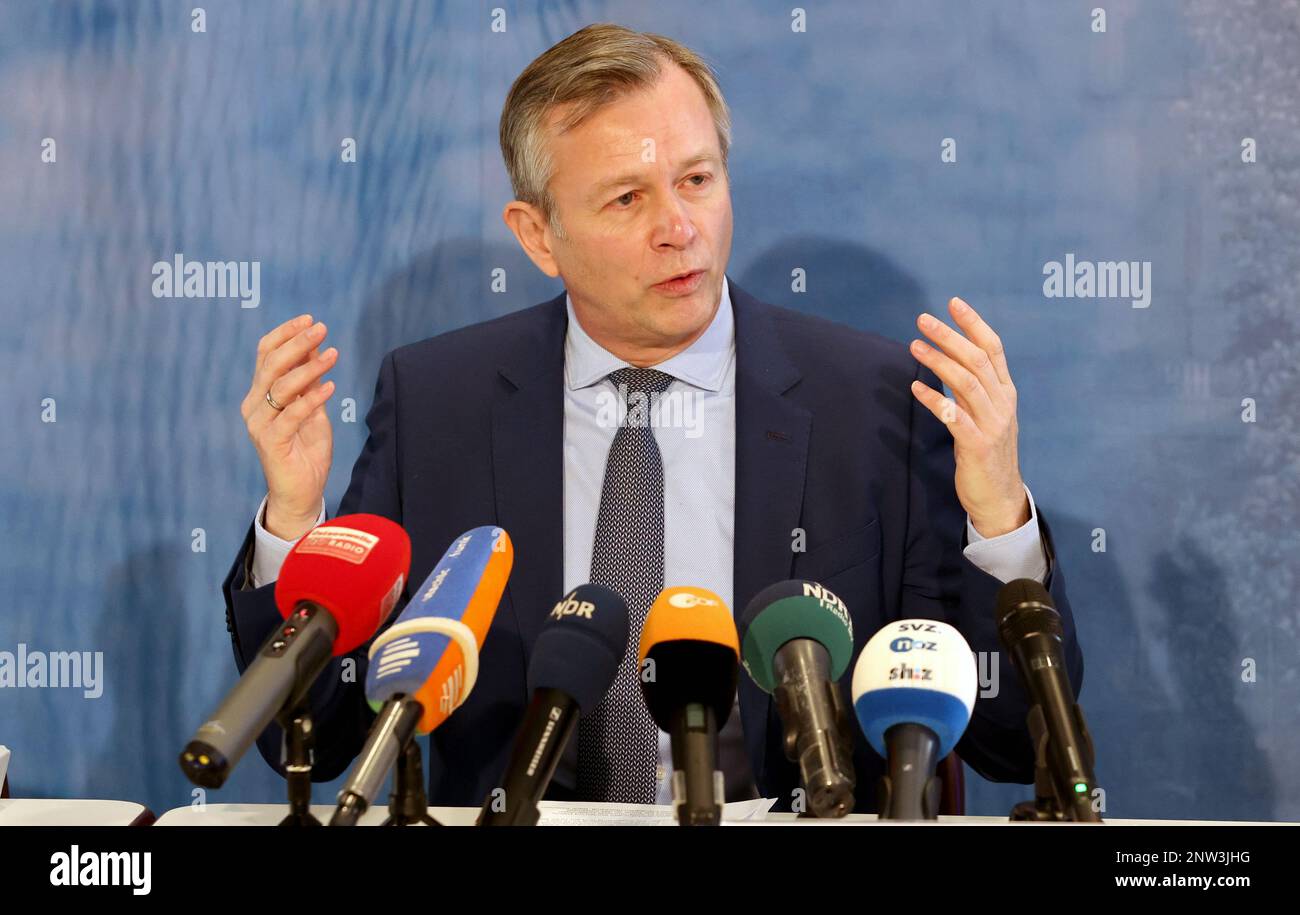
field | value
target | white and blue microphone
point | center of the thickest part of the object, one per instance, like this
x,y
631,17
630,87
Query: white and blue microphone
x,y
914,691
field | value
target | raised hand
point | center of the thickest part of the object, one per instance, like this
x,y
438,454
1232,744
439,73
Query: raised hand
x,y
293,437
982,420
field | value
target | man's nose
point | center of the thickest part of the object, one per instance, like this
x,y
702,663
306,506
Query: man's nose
x,y
674,226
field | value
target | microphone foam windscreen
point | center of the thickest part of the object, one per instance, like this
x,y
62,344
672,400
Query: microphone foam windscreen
x,y
431,651
793,610
689,653
354,566
915,672
581,645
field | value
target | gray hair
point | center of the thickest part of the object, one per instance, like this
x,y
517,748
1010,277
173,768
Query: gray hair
x,y
591,68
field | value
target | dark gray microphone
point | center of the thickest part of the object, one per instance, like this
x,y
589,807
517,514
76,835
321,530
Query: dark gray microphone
x,y
796,641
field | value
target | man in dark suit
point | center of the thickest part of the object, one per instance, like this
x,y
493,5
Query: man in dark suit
x,y
800,449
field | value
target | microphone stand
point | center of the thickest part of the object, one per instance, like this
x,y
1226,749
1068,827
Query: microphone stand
x,y
910,790
299,739
1045,808
698,788
408,803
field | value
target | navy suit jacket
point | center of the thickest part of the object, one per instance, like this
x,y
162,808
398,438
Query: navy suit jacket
x,y
466,429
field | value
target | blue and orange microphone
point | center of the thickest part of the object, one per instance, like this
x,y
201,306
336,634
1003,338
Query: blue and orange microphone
x,y
424,666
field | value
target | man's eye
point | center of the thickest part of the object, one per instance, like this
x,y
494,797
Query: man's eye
x,y
703,178
625,200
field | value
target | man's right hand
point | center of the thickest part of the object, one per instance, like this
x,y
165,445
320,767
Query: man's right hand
x,y
296,444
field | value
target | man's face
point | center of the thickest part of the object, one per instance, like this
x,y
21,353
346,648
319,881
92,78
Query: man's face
x,y
641,194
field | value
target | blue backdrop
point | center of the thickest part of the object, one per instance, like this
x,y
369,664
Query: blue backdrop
x,y
1170,430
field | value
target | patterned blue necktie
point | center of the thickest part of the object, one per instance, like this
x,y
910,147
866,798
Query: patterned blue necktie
x,y
618,743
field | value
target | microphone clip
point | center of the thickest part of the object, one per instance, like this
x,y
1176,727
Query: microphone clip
x,y
1047,807
297,756
408,804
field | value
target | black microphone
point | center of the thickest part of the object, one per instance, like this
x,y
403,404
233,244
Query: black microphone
x,y
574,661
689,663
796,641
1029,628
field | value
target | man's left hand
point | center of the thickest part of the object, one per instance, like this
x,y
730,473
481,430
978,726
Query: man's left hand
x,y
982,420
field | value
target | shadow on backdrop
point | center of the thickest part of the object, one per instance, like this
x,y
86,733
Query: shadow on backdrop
x,y
144,624
441,290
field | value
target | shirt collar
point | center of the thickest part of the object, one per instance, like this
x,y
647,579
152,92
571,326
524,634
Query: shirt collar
x,y
703,364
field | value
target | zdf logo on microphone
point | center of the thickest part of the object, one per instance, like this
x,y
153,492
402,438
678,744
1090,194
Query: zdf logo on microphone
x,y
685,600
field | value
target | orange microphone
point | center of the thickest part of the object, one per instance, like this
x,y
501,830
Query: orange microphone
x,y
689,661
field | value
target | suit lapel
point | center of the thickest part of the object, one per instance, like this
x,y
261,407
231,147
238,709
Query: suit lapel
x,y
772,434
528,466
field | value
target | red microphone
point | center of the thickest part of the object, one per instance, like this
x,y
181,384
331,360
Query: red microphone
x,y
337,586
355,567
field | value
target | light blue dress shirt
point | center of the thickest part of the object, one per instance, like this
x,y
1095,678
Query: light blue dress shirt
x,y
694,424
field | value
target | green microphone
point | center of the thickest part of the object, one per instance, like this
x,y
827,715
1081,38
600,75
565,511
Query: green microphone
x,y
796,641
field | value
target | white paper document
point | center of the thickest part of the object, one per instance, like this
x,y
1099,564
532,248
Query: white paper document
x,y
568,813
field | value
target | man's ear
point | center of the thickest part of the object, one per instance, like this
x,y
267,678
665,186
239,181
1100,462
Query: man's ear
x,y
533,232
